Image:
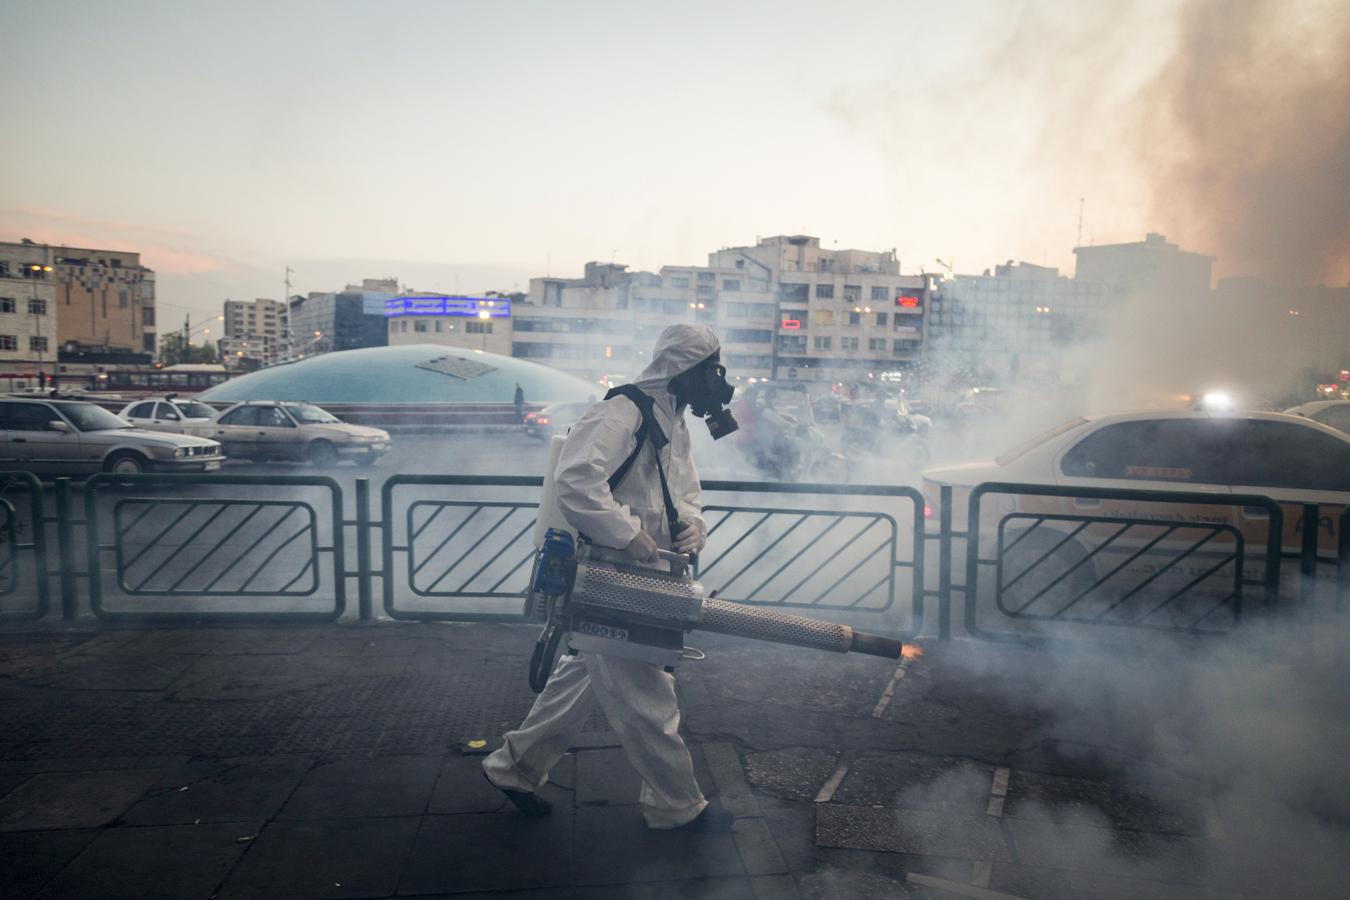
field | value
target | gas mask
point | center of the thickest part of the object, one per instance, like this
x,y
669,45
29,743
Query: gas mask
x,y
705,389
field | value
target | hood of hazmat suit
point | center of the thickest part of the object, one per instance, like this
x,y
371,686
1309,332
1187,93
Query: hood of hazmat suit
x,y
606,435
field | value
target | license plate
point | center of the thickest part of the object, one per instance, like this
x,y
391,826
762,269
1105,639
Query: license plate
x,y
603,631
378,446
211,466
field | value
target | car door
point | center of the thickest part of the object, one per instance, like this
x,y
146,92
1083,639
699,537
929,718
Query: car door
x,y
142,415
1163,454
1297,465
278,435
237,431
167,418
35,445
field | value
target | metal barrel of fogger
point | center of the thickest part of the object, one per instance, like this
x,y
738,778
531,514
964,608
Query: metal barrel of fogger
x,y
760,624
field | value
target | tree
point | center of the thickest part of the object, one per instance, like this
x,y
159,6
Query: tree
x,y
171,351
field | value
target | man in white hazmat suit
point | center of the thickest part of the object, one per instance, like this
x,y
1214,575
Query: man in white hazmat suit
x,y
638,698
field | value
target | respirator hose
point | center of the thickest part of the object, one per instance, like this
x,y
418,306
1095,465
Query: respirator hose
x,y
541,660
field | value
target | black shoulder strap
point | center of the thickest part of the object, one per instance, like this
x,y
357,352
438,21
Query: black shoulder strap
x,y
650,429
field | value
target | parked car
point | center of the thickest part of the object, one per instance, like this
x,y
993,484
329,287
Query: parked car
x,y
169,413
556,418
74,437
263,430
1335,413
1294,461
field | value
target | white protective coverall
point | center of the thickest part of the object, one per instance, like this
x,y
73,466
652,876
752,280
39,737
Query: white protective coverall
x,y
638,698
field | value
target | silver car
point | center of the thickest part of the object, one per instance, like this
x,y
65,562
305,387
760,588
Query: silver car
x,y
73,437
169,413
294,431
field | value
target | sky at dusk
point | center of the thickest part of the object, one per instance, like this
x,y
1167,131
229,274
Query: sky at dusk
x,y
470,146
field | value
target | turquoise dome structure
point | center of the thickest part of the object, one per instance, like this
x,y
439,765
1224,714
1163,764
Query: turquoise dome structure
x,y
420,373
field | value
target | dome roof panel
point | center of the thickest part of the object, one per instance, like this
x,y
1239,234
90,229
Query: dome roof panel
x,y
420,373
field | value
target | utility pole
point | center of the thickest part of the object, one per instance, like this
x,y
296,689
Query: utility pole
x,y
286,305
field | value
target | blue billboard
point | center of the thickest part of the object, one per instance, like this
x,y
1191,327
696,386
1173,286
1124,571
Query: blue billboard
x,y
464,307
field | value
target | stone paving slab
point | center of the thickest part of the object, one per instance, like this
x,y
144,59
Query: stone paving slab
x,y
158,861
72,799
357,788
326,858
915,831
490,852
252,788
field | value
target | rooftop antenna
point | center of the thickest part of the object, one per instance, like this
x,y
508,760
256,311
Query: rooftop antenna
x,y
1079,242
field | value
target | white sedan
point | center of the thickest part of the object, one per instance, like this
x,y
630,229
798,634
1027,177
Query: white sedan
x,y
1293,460
169,413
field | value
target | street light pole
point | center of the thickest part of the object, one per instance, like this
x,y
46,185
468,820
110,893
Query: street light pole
x,y
38,271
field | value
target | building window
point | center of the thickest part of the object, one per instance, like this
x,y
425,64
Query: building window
x,y
852,293
798,314
420,325
876,345
122,299
7,305
905,346
792,343
37,344
822,343
402,324
794,292
147,315
748,335
881,319
848,343
761,310
824,292
823,317
37,307
707,276
731,284
440,326
738,310
478,326
8,342
679,281
855,318
879,292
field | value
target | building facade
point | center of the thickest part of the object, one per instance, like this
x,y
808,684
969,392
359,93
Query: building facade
x,y
783,308
468,323
105,301
322,322
999,325
255,330
1153,266
28,314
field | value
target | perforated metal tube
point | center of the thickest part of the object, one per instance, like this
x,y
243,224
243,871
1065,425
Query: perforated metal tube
x,y
771,625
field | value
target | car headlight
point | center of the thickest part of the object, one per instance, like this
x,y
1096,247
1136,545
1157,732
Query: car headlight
x,y
180,452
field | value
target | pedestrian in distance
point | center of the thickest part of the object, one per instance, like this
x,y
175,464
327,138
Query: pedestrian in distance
x,y
519,402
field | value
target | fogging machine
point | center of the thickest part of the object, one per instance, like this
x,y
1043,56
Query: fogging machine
x,y
602,604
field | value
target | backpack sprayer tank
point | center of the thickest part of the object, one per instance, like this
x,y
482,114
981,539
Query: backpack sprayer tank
x,y
608,606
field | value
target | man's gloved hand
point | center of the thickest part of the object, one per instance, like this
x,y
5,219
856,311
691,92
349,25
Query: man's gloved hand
x,y
641,548
690,537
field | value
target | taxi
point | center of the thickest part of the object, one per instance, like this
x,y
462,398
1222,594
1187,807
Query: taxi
x,y
1295,461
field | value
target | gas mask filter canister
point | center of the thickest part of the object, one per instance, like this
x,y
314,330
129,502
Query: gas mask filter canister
x,y
716,415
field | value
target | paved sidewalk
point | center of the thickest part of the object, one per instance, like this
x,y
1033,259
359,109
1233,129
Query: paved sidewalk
x,y
342,761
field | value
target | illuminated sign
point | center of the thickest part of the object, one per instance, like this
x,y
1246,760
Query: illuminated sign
x,y
792,324
464,307
907,302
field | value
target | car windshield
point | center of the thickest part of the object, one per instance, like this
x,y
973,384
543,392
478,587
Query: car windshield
x,y
194,410
1022,449
88,417
311,415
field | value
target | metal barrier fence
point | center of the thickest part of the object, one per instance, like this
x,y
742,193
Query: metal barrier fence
x,y
459,548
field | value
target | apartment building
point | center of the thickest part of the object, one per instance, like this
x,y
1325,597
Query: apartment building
x,y
255,330
105,301
28,314
1151,266
324,321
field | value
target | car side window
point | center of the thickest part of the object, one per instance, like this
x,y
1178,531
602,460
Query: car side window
x,y
30,417
244,415
1152,450
1337,417
1283,454
166,411
272,417
141,411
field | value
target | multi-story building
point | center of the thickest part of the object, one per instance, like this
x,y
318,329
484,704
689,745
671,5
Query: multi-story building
x,y
1152,266
1014,319
28,314
257,331
106,301
470,323
340,320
